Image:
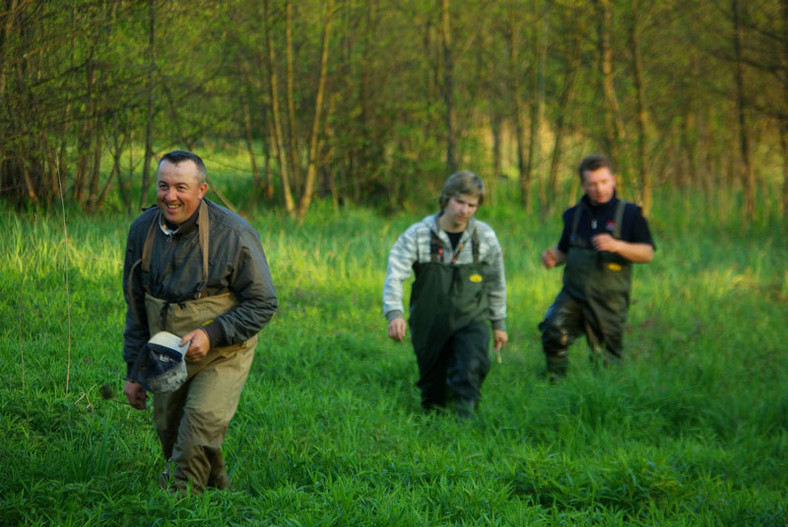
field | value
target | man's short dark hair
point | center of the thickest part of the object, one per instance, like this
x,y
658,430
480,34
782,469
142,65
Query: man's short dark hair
x,y
178,156
593,162
463,183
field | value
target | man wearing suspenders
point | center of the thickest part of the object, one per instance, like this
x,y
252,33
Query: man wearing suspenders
x,y
602,237
198,271
458,294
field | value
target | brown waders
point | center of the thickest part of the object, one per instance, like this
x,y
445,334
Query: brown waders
x,y
594,301
192,421
449,329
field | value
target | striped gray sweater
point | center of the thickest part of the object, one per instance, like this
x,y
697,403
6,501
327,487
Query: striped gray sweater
x,y
414,246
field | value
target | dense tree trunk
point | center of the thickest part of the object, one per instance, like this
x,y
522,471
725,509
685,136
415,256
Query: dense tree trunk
x,y
311,171
496,125
784,144
642,111
539,52
368,144
614,126
447,87
564,102
517,110
292,124
784,120
95,165
277,137
9,12
117,144
247,116
9,7
744,145
150,111
86,137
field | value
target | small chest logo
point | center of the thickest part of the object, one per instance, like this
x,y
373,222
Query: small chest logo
x,y
475,278
614,267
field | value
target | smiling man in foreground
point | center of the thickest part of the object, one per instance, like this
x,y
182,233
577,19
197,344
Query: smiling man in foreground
x,y
459,292
196,270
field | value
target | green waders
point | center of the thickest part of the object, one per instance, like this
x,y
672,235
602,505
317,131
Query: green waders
x,y
191,422
449,329
594,301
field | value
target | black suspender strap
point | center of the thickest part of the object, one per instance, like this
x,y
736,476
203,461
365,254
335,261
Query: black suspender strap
x,y
436,248
576,219
475,245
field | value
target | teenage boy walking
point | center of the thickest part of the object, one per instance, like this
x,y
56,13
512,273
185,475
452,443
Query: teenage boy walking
x,y
459,293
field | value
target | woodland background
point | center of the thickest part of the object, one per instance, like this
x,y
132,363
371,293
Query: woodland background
x,y
375,102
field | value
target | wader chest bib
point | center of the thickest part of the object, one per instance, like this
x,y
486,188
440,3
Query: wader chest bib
x,y
444,299
192,421
600,280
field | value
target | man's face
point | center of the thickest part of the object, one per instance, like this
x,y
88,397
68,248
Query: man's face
x,y
599,185
179,190
459,210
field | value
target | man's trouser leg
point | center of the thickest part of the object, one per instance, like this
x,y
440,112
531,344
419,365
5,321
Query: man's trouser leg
x,y
613,323
562,324
432,378
192,421
470,362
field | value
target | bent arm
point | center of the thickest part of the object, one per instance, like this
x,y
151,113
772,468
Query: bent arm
x,y
634,252
254,288
637,252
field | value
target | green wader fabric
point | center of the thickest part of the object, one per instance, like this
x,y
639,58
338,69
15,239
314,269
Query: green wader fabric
x,y
449,330
192,421
594,301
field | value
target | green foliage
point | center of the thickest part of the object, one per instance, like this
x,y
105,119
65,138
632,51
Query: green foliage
x,y
85,84
690,430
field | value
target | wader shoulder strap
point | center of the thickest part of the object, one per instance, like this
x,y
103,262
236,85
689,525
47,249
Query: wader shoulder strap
x,y
204,234
436,247
576,219
148,245
475,245
622,205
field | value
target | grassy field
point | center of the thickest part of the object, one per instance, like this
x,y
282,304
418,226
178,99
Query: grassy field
x,y
691,430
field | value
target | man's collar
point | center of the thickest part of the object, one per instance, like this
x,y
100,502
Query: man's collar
x,y
587,201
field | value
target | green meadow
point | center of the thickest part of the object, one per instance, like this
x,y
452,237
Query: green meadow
x,y
691,430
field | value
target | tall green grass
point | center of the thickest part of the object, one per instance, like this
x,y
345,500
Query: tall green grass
x,y
690,430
